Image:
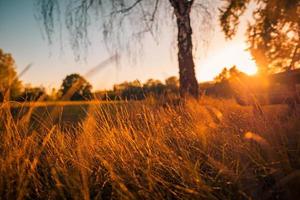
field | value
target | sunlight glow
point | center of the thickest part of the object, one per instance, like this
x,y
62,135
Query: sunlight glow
x,y
226,57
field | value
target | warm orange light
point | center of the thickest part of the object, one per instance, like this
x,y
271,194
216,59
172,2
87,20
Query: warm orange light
x,y
226,57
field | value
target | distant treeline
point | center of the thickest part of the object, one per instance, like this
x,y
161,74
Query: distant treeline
x,y
225,84
136,90
230,83
75,87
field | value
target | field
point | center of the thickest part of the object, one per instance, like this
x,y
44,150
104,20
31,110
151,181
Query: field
x,y
206,149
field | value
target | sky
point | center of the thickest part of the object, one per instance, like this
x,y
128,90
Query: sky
x,y
22,36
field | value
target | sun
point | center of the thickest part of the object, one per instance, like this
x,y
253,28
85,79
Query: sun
x,y
226,57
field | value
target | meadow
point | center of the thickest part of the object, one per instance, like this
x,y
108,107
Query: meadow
x,y
205,149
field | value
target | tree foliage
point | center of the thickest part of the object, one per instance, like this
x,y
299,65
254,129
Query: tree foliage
x,y
74,87
135,90
227,83
32,94
224,75
10,86
172,84
274,34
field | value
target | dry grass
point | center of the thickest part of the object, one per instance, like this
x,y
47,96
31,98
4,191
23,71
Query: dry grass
x,y
210,149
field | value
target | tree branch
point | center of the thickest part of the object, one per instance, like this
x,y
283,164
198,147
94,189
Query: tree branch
x,y
230,15
127,9
155,10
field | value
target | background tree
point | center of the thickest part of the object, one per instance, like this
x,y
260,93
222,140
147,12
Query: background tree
x,y
129,90
172,84
75,88
32,94
224,75
154,87
172,81
10,86
229,83
53,95
135,90
274,34
124,20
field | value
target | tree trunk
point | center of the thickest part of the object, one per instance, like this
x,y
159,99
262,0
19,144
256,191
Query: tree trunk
x,y
187,78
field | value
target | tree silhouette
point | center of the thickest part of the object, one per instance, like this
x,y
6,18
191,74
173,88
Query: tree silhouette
x,y
10,86
118,17
224,75
31,94
273,37
172,84
172,81
75,87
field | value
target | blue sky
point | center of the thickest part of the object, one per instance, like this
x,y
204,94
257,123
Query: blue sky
x,y
21,35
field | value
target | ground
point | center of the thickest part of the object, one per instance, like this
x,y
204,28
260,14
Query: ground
x,y
206,149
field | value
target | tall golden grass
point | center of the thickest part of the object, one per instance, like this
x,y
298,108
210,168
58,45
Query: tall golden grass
x,y
207,149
